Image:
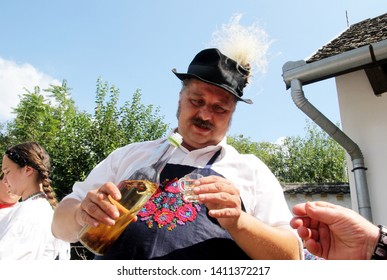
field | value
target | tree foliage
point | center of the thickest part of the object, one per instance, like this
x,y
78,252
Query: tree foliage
x,y
315,158
76,140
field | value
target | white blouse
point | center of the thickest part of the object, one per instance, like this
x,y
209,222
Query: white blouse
x,y
25,233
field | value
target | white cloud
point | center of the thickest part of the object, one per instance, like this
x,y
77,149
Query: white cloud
x,y
14,79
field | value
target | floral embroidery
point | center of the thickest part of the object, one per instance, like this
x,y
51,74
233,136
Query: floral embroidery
x,y
186,213
167,208
163,217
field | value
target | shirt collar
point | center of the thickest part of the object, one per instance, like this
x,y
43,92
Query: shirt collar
x,y
212,148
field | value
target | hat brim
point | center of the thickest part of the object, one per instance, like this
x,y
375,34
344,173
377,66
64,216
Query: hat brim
x,y
185,76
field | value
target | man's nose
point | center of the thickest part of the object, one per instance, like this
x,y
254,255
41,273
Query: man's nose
x,y
205,112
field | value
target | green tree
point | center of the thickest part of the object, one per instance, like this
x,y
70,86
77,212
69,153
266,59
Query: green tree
x,y
270,153
76,140
71,151
315,158
33,120
115,126
4,138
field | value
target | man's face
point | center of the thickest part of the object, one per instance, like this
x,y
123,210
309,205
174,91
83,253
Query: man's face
x,y
204,114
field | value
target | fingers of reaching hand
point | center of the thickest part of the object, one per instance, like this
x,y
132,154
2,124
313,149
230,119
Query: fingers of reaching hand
x,y
320,241
304,232
313,247
325,204
299,209
307,228
324,212
310,214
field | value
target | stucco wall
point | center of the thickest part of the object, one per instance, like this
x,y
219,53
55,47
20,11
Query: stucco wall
x,y
337,194
364,120
343,200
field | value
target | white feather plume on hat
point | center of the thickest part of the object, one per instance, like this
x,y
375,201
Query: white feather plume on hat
x,y
247,45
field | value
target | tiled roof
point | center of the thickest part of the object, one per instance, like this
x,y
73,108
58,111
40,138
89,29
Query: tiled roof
x,y
357,35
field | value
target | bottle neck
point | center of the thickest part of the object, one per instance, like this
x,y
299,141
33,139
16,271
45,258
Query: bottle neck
x,y
156,163
165,154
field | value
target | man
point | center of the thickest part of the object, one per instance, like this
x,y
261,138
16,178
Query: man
x,y
242,212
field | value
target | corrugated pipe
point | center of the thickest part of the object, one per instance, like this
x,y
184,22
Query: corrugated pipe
x,y
340,137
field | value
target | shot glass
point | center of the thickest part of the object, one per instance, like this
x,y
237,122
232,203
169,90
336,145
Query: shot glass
x,y
186,186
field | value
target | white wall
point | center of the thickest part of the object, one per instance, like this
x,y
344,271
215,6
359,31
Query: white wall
x,y
364,120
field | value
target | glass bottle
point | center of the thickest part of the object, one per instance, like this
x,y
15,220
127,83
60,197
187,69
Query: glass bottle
x,y
135,192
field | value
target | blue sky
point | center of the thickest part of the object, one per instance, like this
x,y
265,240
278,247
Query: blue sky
x,y
135,44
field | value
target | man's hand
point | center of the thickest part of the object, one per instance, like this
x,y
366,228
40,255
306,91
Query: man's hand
x,y
96,207
222,199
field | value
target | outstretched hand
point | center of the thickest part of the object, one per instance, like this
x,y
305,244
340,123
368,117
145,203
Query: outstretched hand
x,y
334,232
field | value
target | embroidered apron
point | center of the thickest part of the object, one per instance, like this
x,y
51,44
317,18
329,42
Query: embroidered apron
x,y
170,228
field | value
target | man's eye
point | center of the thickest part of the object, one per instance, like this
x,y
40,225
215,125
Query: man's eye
x,y
196,102
218,109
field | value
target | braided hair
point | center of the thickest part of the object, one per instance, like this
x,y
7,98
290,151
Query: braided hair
x,y
35,156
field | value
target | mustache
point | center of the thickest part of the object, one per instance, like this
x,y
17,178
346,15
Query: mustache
x,y
201,123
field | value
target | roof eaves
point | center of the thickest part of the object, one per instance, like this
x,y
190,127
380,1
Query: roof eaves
x,y
364,33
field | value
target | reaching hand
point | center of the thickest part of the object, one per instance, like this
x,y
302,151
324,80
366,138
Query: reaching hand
x,y
334,232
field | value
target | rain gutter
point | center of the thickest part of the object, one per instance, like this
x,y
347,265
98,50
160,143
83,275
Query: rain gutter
x,y
299,73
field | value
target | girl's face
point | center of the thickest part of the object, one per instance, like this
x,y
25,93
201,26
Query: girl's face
x,y
15,176
6,197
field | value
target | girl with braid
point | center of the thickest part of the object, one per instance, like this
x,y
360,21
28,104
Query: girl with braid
x,y
25,232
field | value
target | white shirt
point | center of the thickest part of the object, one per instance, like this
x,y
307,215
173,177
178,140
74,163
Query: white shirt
x,y
4,211
261,192
25,233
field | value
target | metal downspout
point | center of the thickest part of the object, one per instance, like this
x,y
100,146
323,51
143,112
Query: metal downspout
x,y
340,137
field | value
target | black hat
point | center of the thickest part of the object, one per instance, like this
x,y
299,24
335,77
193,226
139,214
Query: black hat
x,y
211,66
